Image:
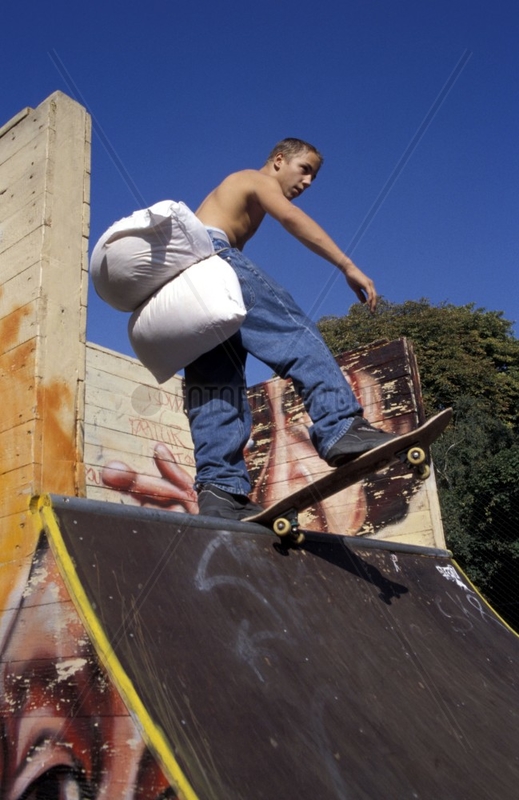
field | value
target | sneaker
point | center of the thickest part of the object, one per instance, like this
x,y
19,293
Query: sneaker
x,y
214,502
359,438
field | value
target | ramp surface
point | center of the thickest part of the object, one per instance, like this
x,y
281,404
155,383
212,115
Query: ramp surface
x,y
344,669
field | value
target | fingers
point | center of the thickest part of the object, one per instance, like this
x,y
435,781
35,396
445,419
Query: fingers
x,y
175,488
176,475
169,469
372,298
118,475
364,289
369,293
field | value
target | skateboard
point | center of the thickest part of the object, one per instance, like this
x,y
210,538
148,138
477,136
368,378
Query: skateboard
x,y
410,448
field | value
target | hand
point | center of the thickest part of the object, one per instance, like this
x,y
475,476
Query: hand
x,y
174,490
363,286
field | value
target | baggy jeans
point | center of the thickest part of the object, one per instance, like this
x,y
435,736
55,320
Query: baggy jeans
x,y
278,333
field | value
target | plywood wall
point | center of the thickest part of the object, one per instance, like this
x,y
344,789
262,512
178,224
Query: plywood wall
x,y
44,184
138,448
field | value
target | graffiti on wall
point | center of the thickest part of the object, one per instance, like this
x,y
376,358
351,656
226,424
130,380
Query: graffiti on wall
x,y
65,732
280,456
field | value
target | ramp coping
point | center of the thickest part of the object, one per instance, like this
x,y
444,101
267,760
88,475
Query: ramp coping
x,y
82,504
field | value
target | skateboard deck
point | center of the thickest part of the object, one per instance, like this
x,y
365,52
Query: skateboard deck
x,y
410,447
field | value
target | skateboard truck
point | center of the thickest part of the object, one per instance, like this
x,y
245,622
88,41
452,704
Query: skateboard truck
x,y
287,527
416,456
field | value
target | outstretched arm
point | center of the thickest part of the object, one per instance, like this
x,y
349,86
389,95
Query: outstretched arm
x,y
295,221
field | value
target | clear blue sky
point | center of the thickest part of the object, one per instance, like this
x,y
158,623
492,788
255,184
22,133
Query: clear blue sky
x,y
413,103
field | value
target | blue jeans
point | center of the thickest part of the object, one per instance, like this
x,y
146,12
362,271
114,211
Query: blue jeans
x,y
277,332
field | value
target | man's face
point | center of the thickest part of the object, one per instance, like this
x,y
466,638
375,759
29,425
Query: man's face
x,y
65,732
297,173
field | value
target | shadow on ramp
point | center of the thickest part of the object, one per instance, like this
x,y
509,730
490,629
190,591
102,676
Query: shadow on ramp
x,y
347,668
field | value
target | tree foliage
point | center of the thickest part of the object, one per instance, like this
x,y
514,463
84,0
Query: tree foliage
x,y
477,463
468,358
461,350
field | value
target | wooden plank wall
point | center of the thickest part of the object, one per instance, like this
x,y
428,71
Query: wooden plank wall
x,y
44,184
64,729
391,505
138,449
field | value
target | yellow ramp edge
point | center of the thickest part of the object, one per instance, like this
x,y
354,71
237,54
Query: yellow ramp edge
x,y
44,518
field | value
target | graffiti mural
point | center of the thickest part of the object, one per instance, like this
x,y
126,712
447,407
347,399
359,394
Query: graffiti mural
x,y
65,732
158,470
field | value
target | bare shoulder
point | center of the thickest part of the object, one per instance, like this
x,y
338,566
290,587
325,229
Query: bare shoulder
x,y
247,179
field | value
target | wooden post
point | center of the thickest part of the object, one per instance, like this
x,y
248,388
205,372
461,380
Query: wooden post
x,y
44,184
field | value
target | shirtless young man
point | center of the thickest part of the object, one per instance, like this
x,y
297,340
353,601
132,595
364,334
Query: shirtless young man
x,y
276,331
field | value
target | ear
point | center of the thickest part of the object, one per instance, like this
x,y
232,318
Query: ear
x,y
278,159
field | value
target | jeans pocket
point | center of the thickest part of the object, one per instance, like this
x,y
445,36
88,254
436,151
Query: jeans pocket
x,y
247,291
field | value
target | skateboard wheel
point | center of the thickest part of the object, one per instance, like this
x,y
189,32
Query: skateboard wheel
x,y
298,538
282,526
424,471
416,456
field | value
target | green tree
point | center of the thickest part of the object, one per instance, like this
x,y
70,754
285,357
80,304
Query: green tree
x,y
468,358
477,463
461,350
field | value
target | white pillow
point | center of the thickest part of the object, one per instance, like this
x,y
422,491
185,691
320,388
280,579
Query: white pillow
x,y
140,253
190,315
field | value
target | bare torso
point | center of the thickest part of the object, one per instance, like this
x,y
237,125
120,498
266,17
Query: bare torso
x,y
239,204
233,208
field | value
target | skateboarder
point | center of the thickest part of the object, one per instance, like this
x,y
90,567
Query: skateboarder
x,y
276,331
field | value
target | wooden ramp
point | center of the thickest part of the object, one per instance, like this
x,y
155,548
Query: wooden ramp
x,y
348,668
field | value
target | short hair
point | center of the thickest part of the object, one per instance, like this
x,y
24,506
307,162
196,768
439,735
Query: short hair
x,y
291,147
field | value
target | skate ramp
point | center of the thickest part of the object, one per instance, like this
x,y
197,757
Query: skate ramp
x,y
346,668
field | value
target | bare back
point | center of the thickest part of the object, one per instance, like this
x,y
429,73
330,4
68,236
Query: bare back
x,y
233,207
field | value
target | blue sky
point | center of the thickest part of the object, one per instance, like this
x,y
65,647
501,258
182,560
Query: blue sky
x,y
414,104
